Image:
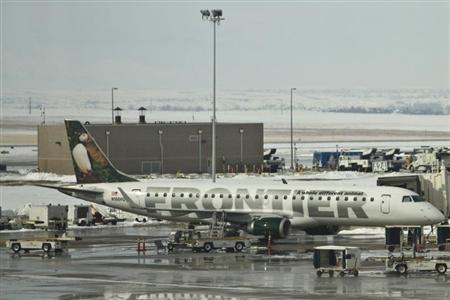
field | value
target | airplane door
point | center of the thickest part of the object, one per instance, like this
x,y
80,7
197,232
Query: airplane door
x,y
385,203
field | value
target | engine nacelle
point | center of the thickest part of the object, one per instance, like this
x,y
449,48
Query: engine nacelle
x,y
323,230
276,227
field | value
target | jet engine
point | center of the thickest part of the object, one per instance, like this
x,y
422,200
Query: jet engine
x,y
276,227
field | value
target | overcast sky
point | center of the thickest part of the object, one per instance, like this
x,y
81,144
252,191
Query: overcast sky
x,y
59,45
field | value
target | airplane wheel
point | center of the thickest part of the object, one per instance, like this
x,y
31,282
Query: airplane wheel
x,y
319,273
401,269
441,268
331,273
46,247
16,247
355,273
342,273
239,247
207,247
170,247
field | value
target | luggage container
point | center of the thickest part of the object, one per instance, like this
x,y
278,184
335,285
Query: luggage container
x,y
443,237
340,259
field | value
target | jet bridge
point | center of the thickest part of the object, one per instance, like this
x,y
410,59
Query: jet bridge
x,y
432,186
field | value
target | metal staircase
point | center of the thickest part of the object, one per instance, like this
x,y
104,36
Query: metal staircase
x,y
217,228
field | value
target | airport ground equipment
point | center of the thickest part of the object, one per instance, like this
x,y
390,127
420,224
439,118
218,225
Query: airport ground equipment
x,y
272,163
395,238
53,217
46,244
402,264
337,259
325,159
353,161
182,239
220,238
443,237
82,215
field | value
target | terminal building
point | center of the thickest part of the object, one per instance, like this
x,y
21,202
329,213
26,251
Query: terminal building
x,y
160,147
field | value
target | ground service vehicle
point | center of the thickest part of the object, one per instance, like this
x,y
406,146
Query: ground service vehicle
x,y
46,245
403,265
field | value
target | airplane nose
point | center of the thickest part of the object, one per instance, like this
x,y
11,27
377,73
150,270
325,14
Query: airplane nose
x,y
434,215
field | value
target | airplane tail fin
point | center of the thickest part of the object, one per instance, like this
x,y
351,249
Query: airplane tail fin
x,y
89,162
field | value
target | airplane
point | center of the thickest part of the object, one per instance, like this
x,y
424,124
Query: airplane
x,y
261,209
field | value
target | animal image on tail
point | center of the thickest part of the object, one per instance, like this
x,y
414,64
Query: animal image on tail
x,y
90,163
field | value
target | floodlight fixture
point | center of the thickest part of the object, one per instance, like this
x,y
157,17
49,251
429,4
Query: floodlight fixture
x,y
217,13
205,13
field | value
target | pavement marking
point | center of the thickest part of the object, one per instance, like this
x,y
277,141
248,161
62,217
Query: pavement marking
x,y
137,283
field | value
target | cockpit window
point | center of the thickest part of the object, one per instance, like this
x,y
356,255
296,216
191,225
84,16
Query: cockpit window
x,y
406,199
417,198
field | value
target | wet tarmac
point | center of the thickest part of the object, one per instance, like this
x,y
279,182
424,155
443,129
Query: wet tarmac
x,y
106,265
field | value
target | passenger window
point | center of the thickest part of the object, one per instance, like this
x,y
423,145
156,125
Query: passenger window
x,y
337,198
238,196
206,196
156,194
372,199
293,197
197,195
148,194
247,196
328,198
213,195
364,199
354,199
406,199
311,198
303,198
346,198
230,196
221,195
165,194
265,196
285,197
190,195
173,194
320,198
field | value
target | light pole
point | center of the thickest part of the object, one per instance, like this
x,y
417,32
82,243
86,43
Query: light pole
x,y
215,16
200,150
292,134
160,132
112,104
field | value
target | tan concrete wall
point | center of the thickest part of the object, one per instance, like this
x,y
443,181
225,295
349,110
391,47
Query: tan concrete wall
x,y
129,146
53,150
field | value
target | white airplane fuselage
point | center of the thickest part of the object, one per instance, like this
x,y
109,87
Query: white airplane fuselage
x,y
304,205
